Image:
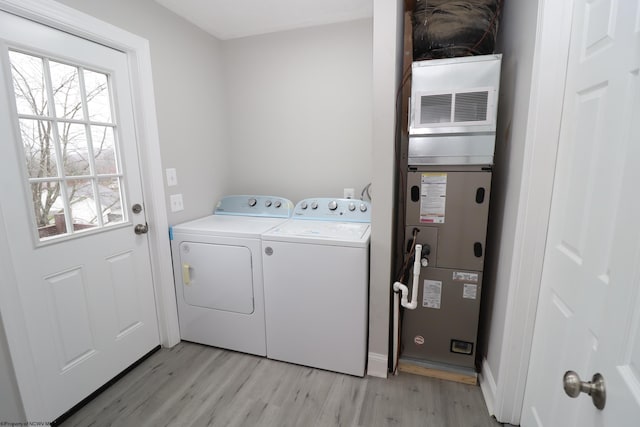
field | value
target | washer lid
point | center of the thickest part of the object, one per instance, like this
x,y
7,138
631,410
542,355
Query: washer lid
x,y
223,225
321,232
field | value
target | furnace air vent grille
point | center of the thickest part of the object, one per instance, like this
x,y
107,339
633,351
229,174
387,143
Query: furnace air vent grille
x,y
471,107
435,108
454,108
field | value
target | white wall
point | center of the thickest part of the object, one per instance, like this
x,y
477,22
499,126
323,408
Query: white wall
x,y
387,63
300,111
516,40
189,93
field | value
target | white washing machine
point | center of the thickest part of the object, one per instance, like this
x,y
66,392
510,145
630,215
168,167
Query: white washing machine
x,y
217,265
316,280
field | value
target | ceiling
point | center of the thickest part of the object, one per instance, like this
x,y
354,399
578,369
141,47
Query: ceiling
x,y
229,19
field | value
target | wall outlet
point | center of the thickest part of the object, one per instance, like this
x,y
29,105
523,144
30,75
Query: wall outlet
x,y
176,203
172,177
349,193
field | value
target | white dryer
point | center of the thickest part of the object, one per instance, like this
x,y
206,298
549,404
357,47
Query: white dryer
x,y
217,266
316,279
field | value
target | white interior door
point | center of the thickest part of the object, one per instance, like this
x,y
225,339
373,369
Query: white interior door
x,y
588,317
70,174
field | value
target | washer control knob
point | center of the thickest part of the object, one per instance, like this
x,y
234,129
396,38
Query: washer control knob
x,y
333,205
267,203
352,206
303,205
277,203
363,207
314,205
252,202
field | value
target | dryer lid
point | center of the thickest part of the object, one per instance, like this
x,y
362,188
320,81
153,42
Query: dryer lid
x,y
232,226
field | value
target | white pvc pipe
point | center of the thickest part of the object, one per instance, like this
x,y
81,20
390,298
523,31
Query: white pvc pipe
x,y
396,317
398,286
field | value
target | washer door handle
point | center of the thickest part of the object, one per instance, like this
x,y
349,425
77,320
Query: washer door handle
x,y
186,276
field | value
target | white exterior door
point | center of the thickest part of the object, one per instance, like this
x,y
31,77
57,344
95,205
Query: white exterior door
x,y
70,178
588,317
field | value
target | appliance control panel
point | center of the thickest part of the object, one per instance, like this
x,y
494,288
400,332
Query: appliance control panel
x,y
328,209
249,205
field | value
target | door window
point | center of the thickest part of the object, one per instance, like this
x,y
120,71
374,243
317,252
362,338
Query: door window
x,y
70,147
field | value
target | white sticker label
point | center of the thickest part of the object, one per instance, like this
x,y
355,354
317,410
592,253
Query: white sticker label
x,y
462,276
433,197
418,339
470,291
432,294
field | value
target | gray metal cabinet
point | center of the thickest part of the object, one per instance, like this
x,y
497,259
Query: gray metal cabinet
x,y
457,212
444,326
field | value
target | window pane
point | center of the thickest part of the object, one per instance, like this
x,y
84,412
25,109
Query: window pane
x,y
75,152
39,149
65,84
104,149
110,200
48,209
71,151
82,202
28,84
97,90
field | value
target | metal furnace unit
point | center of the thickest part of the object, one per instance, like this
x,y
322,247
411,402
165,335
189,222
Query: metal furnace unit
x,y
452,128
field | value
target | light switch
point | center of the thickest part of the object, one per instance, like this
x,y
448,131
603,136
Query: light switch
x,y
172,177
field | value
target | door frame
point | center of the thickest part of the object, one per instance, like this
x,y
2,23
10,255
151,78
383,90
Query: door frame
x,y
504,390
136,48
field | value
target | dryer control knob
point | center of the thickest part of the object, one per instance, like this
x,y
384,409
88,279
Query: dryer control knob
x,y
267,203
277,204
252,202
333,205
314,205
352,206
303,205
363,207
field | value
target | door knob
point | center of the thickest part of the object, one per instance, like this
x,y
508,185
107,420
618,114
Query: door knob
x,y
594,388
141,228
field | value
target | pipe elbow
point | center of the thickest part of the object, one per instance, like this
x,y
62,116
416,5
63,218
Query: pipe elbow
x,y
397,286
411,305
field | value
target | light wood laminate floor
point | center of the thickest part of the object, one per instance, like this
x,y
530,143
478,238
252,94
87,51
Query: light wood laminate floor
x,y
195,385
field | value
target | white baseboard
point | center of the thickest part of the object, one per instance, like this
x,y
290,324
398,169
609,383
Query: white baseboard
x,y
377,365
488,386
